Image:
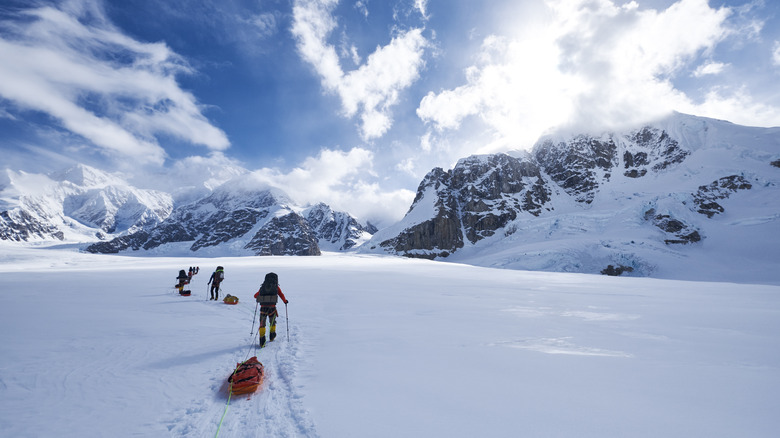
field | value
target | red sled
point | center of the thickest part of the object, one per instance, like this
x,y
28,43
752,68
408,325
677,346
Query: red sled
x,y
247,377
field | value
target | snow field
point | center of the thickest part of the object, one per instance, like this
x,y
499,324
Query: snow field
x,y
382,347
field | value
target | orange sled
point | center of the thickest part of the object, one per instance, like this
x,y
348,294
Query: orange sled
x,y
247,377
230,299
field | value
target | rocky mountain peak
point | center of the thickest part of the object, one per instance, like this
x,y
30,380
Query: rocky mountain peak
x,y
585,202
579,165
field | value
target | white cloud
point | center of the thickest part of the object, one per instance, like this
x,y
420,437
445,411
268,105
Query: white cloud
x,y
362,7
371,90
116,92
342,180
407,166
735,105
265,24
593,64
710,68
516,89
186,179
421,7
776,53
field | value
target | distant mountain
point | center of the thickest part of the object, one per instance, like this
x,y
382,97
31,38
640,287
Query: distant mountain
x,y
616,203
242,217
337,231
79,203
685,194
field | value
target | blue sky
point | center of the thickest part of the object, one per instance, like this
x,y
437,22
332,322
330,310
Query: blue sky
x,y
353,102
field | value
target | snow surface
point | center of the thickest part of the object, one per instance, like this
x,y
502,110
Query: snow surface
x,y
97,345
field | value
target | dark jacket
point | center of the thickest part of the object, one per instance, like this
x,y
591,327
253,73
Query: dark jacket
x,y
217,277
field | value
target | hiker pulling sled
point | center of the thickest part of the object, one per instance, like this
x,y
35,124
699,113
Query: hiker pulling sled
x,y
184,280
267,297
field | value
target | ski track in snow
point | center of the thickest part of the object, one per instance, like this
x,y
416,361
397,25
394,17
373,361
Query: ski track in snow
x,y
275,409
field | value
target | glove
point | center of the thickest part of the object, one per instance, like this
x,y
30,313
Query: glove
x,y
286,301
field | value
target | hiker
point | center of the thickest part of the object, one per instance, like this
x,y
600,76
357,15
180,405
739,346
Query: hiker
x,y
183,280
267,296
216,278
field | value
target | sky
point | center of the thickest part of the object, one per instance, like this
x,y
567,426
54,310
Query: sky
x,y
352,102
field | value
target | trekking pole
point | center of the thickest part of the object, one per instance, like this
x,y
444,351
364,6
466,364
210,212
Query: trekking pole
x,y
253,319
287,321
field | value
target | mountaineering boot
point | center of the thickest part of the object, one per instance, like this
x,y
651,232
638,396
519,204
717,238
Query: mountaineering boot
x,y
261,332
262,342
272,337
272,323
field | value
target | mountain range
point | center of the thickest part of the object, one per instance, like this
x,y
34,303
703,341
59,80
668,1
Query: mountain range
x,y
685,197
78,204
107,215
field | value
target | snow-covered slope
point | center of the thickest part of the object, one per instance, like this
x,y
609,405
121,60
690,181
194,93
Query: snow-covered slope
x,y
243,217
337,231
78,204
96,345
686,197
238,217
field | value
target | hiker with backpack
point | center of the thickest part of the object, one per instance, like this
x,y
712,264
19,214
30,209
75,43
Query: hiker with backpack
x,y
183,280
267,296
216,278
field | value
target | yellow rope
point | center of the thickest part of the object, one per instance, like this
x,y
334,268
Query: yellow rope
x,y
230,394
230,387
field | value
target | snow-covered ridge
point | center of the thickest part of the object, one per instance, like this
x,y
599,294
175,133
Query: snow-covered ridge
x,y
77,204
244,218
670,199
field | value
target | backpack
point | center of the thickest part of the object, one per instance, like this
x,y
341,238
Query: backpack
x,y
272,280
268,290
182,275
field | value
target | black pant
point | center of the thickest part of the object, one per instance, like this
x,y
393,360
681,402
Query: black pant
x,y
214,291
